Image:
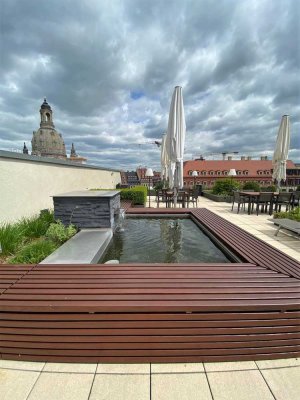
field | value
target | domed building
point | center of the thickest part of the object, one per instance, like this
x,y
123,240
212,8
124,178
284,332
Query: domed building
x,y
46,141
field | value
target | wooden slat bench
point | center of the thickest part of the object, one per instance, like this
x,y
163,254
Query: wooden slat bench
x,y
156,313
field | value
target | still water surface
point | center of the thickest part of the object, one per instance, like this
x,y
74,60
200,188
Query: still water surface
x,y
162,240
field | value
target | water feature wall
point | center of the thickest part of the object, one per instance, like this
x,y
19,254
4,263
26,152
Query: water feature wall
x,y
87,209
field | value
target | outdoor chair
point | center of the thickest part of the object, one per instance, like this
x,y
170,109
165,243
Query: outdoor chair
x,y
295,201
193,196
169,198
283,199
160,197
182,198
239,199
265,200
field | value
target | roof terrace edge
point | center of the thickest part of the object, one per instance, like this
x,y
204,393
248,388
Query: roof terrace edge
x,y
49,160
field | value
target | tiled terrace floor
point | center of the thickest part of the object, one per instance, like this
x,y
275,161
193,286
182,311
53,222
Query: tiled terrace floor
x,y
249,380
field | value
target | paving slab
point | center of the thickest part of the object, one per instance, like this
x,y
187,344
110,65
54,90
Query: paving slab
x,y
123,369
121,387
176,368
180,387
284,382
287,362
230,366
23,365
16,384
70,367
66,386
239,385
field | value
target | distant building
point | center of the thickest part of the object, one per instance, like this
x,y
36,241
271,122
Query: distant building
x,y
246,168
132,178
47,142
75,157
144,180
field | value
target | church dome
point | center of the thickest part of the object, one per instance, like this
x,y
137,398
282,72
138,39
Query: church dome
x,y
48,143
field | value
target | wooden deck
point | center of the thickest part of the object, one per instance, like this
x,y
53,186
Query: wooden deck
x,y
155,313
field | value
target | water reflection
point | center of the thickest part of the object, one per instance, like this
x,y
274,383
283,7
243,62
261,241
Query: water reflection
x,y
171,237
162,240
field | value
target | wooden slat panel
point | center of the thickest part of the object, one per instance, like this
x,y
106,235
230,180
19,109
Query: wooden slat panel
x,y
156,313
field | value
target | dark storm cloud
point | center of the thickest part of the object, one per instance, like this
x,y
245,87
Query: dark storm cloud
x,y
108,69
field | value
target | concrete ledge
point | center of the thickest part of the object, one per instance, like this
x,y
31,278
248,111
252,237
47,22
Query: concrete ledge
x,y
85,247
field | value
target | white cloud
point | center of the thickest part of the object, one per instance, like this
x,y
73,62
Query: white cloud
x,y
108,70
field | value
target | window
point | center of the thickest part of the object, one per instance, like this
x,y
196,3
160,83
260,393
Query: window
x,y
245,172
225,172
218,172
203,172
211,172
239,172
184,183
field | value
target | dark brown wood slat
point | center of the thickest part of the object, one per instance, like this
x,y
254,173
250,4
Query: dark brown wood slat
x,y
163,291
150,296
178,359
266,337
158,285
149,345
150,306
149,316
147,324
151,331
152,352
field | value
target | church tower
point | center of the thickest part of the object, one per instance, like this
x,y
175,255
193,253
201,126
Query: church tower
x,y
46,141
46,115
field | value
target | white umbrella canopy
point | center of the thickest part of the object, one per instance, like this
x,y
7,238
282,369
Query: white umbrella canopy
x,y
281,151
175,139
164,161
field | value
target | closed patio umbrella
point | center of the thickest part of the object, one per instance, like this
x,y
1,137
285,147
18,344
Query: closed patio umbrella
x,y
281,151
164,161
175,141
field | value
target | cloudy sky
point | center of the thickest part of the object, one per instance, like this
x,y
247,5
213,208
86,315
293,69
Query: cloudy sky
x,y
108,69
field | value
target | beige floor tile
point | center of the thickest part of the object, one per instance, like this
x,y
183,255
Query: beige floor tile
x,y
123,369
69,367
176,368
24,365
284,362
180,387
239,385
121,387
230,366
57,386
284,382
16,385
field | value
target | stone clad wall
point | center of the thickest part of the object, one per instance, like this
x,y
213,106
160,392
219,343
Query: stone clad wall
x,y
27,185
92,212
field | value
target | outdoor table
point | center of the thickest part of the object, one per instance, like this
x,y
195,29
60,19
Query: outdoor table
x,y
252,196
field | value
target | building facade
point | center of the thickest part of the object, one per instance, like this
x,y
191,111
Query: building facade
x,y
247,170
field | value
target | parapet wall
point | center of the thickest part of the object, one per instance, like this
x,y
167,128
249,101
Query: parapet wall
x,y
27,183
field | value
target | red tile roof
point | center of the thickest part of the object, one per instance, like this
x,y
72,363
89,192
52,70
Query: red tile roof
x,y
252,166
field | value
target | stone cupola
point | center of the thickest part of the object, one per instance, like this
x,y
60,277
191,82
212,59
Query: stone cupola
x,y
46,141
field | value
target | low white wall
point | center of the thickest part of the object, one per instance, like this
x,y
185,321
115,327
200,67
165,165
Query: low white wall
x,y
26,186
